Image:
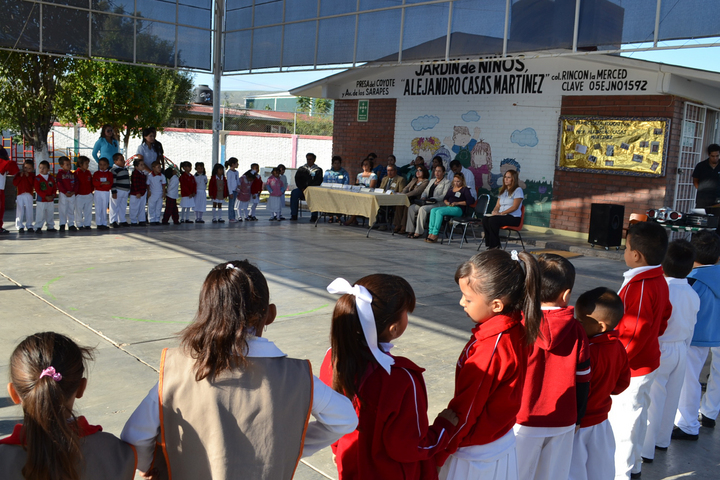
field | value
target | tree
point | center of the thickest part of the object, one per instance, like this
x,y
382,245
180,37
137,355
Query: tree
x,y
304,104
322,106
311,126
127,97
30,86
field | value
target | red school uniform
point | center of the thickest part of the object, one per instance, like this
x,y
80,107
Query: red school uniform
x,y
138,183
489,377
45,188
84,181
66,181
610,376
558,360
393,439
213,188
188,186
24,183
257,185
103,181
647,310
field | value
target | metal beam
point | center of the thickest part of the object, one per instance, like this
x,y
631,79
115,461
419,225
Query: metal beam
x,y
217,75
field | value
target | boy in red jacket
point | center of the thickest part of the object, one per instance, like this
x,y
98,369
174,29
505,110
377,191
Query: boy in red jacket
x,y
25,184
102,181
84,200
255,189
647,309
67,188
599,311
46,188
557,380
10,167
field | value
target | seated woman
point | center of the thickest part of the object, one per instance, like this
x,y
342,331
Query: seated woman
x,y
366,178
507,211
413,190
456,201
432,197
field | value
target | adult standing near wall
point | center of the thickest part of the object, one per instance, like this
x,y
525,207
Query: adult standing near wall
x,y
150,149
706,178
107,145
309,175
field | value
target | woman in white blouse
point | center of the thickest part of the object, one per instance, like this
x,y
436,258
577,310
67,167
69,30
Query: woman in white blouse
x,y
150,149
507,211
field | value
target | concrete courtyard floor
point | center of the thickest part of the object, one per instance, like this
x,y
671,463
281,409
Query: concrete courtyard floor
x,y
129,292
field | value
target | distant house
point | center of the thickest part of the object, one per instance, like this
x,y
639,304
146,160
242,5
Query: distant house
x,y
199,117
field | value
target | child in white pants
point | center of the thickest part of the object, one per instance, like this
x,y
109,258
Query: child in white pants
x,y
120,191
84,200
138,192
67,188
25,184
45,188
102,181
665,389
156,189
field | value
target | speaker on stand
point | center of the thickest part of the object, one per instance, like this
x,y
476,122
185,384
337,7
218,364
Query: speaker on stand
x,y
606,225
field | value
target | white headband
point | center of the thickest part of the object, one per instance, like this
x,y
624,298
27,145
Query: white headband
x,y
363,301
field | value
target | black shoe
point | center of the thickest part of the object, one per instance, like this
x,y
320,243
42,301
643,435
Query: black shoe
x,y
3,231
37,230
155,224
72,228
199,221
21,230
115,225
220,220
647,460
635,475
89,227
253,218
214,220
125,224
660,448
103,227
272,219
706,421
293,218
30,230
282,218
62,228
166,223
51,230
679,434
188,221
142,224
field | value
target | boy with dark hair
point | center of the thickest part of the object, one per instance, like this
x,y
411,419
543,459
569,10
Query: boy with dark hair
x,y
45,188
557,380
599,311
102,182
120,191
705,280
67,188
674,343
84,201
647,308
25,185
138,193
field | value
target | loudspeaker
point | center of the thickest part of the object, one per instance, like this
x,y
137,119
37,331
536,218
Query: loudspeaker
x,y
606,223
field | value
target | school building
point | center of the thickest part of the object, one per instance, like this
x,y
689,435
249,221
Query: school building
x,y
580,130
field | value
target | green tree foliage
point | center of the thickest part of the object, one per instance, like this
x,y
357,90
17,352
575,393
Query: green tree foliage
x,y
311,126
29,87
127,97
322,106
304,104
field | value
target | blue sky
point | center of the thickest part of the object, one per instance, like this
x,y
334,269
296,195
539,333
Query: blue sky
x,y
706,58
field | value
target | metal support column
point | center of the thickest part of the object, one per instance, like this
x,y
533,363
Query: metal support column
x,y
217,75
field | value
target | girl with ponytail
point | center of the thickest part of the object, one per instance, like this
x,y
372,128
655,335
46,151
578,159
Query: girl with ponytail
x,y
501,295
46,376
393,439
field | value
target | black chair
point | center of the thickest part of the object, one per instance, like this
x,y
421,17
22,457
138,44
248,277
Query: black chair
x,y
470,222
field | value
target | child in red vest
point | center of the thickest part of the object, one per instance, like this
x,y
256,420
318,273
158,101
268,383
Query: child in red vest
x,y
218,191
138,193
393,439
557,382
7,167
46,188
46,376
25,185
599,311
255,189
498,289
84,201
67,188
188,189
102,182
246,403
647,309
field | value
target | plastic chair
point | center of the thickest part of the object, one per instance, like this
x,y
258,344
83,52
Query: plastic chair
x,y
517,229
475,219
447,227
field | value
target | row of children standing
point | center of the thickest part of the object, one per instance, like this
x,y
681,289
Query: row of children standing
x,y
533,383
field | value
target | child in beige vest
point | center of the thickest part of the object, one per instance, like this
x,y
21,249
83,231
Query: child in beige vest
x,y
229,403
46,373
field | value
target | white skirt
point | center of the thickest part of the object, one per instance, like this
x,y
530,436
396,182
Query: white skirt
x,y
494,461
275,204
200,202
187,202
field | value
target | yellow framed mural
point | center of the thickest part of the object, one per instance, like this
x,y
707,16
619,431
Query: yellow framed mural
x,y
618,145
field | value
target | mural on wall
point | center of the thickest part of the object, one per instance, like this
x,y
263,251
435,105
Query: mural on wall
x,y
475,154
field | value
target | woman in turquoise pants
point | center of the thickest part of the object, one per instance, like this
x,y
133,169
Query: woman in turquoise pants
x,y
456,200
